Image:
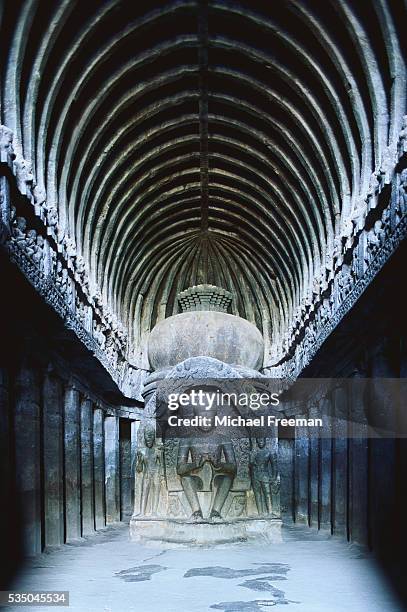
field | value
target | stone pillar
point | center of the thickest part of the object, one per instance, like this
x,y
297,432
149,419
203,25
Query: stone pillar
x,y
325,473
340,463
358,463
403,357
99,468
126,506
10,525
301,475
72,465
134,431
28,455
384,531
53,457
112,467
87,500
401,484
5,434
286,469
314,450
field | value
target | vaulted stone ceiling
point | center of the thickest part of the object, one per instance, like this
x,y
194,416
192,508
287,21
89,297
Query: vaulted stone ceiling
x,y
187,142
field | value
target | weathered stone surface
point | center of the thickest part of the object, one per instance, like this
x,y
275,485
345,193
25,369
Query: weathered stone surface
x,y
53,453
220,335
301,472
199,478
5,432
242,578
325,484
167,532
28,457
340,476
126,474
286,468
99,468
87,498
112,467
72,464
204,298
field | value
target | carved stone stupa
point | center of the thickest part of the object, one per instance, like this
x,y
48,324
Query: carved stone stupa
x,y
210,484
204,328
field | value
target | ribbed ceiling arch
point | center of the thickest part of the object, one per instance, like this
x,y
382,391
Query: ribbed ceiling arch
x,y
194,141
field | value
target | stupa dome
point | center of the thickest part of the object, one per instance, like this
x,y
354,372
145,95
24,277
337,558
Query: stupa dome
x,y
205,328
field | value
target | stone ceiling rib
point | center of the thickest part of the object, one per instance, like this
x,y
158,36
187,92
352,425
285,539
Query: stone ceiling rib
x,y
204,141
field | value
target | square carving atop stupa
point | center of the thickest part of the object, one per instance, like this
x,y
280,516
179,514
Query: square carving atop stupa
x,y
205,297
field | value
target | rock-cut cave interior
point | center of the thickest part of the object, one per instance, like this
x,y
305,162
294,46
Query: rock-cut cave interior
x,y
203,198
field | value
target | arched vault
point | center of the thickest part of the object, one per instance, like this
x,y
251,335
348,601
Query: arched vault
x,y
191,141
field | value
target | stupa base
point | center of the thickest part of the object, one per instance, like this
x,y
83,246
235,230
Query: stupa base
x,y
179,532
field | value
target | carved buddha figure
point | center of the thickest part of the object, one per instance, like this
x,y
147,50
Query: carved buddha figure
x,y
217,451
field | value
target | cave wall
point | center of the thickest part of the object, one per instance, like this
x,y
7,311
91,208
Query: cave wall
x,y
66,467
354,488
60,455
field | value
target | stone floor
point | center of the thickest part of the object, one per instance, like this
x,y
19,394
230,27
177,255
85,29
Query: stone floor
x,y
307,572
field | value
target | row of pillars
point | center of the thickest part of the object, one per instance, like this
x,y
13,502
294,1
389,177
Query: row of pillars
x,y
327,479
68,463
352,487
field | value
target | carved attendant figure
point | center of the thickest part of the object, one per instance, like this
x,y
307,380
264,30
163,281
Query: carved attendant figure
x,y
6,144
264,477
31,242
24,175
148,466
52,217
39,254
19,231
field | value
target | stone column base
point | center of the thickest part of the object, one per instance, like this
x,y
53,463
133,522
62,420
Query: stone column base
x,y
178,532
